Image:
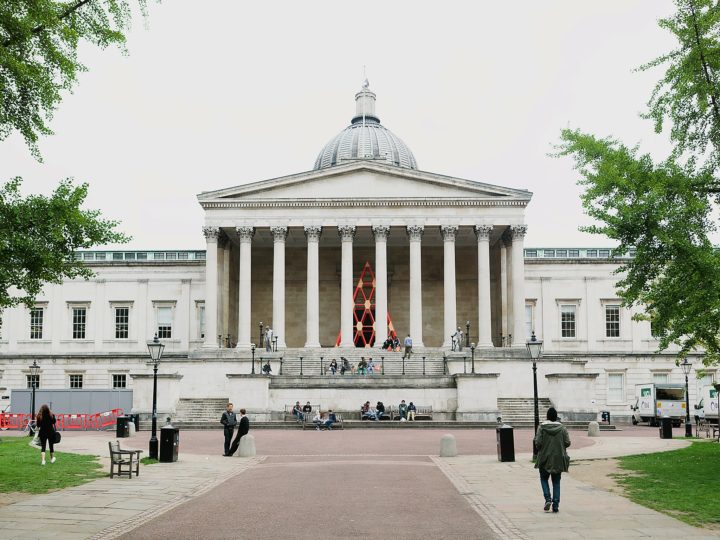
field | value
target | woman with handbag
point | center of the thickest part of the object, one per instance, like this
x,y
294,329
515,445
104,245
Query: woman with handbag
x,y
551,442
46,425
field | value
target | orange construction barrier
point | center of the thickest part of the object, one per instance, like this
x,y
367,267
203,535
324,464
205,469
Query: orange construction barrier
x,y
14,421
72,421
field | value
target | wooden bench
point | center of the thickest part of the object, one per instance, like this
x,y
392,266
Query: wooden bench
x,y
290,416
309,424
386,415
123,459
423,412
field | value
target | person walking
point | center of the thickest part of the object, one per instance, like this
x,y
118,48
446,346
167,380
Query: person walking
x,y
229,421
45,423
552,460
408,347
242,431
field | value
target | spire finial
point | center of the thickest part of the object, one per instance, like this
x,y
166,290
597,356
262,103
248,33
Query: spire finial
x,y
366,83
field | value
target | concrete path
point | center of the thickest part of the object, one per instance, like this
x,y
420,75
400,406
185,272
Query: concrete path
x,y
508,496
336,485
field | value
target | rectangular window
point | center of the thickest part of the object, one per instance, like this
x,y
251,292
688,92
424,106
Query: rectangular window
x,y
616,388
612,321
79,319
528,320
201,315
33,381
531,252
561,253
592,252
37,316
76,381
660,378
549,253
122,322
573,253
567,321
164,322
119,380
604,253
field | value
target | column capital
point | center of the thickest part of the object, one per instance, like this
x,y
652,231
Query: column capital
x,y
313,232
381,232
415,232
518,231
211,233
448,232
279,233
346,232
482,232
245,234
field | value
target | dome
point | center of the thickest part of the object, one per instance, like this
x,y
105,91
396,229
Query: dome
x,y
365,138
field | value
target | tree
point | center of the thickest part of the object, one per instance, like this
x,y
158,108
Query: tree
x,y
39,42
663,210
38,237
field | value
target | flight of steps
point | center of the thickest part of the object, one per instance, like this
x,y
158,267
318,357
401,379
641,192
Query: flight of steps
x,y
312,360
520,412
197,412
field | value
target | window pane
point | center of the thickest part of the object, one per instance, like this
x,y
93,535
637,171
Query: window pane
x,y
660,378
202,322
33,379
612,321
36,323
528,321
164,322
76,381
562,253
567,321
79,316
574,253
122,322
119,380
616,386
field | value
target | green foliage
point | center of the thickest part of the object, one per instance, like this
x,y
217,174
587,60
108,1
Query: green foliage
x,y
663,209
39,42
656,209
38,237
21,470
689,93
148,461
680,483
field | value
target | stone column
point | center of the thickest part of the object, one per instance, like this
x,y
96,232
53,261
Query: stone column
x,y
506,254
484,326
450,304
381,233
347,233
245,235
415,233
518,284
312,336
278,317
224,291
211,287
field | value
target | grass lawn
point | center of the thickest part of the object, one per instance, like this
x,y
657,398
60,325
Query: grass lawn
x,y
682,483
148,461
20,468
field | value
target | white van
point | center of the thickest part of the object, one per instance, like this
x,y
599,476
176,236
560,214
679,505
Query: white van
x,y
708,406
655,401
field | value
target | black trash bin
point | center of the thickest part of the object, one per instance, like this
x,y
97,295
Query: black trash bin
x,y
122,428
505,443
169,443
666,428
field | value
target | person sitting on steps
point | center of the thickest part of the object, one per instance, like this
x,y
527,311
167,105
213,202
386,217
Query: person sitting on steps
x,y
333,366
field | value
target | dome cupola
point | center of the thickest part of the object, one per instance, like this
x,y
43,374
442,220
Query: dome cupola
x,y
365,139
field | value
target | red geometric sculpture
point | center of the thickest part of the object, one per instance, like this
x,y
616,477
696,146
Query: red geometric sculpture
x,y
364,311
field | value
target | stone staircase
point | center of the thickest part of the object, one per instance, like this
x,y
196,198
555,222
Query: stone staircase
x,y
313,361
520,412
197,413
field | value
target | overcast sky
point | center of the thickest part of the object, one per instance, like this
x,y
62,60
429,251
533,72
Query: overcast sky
x,y
221,93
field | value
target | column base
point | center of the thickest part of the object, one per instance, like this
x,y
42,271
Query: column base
x,y
347,345
210,346
309,345
245,346
487,345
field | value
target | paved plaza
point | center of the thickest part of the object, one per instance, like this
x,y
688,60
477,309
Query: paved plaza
x,y
371,484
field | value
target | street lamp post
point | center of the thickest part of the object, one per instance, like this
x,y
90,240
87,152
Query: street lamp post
x,y
34,375
261,334
467,333
534,347
472,364
156,349
686,370
252,349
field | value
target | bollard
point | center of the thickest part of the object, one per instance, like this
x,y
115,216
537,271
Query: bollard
x,y
593,429
247,446
448,447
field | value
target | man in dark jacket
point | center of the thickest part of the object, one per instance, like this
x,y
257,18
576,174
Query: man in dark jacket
x,y
242,431
551,441
229,421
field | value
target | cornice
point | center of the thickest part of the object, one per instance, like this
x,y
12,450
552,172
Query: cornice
x,y
363,203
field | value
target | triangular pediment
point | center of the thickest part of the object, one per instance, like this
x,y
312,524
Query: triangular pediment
x,y
364,180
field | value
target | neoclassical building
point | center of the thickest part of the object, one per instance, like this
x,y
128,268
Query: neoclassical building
x,y
334,260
